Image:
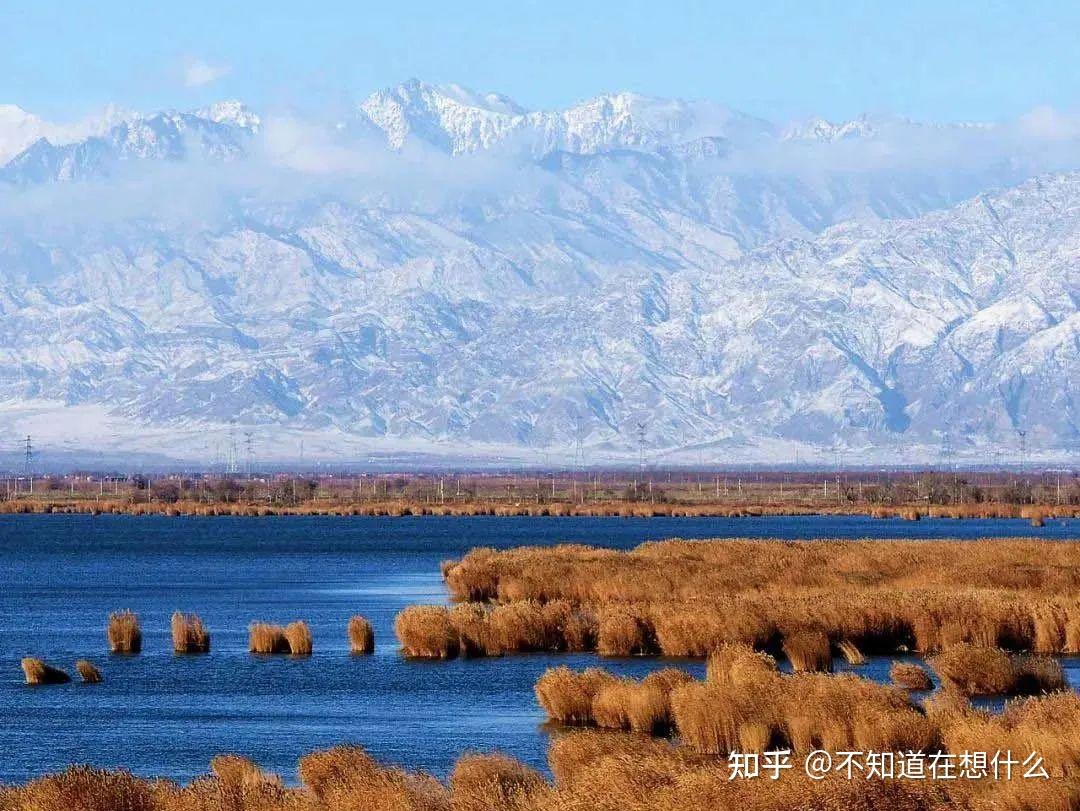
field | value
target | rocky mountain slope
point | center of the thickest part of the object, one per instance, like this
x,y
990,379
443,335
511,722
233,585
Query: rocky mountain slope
x,y
446,272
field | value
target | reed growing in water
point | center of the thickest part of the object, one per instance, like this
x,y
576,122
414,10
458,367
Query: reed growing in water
x,y
87,671
39,673
298,635
124,633
809,651
990,671
567,696
361,636
687,598
189,635
427,632
266,639
910,677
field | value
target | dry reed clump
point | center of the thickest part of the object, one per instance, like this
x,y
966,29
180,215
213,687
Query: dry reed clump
x,y
716,719
189,635
624,631
87,671
266,639
739,666
910,676
240,774
1044,724
808,651
495,782
361,636
744,705
851,652
427,632
346,777
990,671
124,633
39,673
567,696
298,635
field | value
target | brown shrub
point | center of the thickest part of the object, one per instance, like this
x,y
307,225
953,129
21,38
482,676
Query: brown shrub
x,y
39,673
124,633
189,635
910,677
361,636
427,632
87,671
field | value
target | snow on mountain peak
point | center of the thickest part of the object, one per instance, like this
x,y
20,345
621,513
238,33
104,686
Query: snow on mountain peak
x,y
231,112
459,120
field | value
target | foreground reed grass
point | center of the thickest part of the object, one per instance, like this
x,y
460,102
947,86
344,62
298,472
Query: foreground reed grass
x,y
37,673
124,633
293,639
803,598
189,635
744,705
87,672
361,636
601,771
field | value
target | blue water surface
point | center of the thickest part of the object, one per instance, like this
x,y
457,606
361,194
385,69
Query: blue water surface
x,y
164,715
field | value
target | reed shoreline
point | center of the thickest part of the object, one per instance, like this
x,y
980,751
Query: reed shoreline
x,y
1035,513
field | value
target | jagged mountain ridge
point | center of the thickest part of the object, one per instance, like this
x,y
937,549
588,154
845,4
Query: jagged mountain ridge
x,y
638,283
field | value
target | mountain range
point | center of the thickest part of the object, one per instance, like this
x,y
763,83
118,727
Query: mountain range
x,y
443,273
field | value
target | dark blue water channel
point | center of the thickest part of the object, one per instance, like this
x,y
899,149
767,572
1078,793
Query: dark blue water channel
x,y
166,715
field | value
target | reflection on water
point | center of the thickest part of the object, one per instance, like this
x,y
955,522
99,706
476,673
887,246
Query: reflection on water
x,y
160,714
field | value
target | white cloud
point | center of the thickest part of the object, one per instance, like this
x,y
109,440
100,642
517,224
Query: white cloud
x,y
199,72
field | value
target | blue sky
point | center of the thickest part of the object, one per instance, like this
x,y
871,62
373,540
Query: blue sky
x,y
930,60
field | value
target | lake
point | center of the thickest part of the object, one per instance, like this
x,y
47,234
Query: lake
x,y
165,715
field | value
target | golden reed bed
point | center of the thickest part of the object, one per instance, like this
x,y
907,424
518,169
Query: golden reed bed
x,y
805,599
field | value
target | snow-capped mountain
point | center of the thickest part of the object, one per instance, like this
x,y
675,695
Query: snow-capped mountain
x,y
618,262
219,132
459,121
19,129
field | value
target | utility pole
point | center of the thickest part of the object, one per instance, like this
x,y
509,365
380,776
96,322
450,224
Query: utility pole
x,y
249,447
641,446
28,463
